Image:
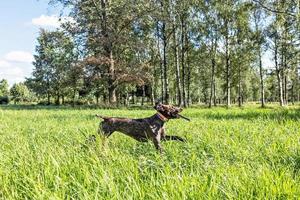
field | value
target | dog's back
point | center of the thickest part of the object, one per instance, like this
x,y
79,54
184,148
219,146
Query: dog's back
x,y
135,128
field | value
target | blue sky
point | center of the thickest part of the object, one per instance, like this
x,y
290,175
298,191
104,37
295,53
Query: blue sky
x,y
20,21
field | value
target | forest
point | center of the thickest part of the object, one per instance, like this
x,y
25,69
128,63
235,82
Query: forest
x,y
181,52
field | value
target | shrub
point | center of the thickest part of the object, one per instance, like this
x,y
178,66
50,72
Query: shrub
x,y
4,99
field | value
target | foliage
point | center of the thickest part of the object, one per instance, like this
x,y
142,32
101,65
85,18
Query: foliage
x,y
20,92
4,99
54,68
4,91
187,52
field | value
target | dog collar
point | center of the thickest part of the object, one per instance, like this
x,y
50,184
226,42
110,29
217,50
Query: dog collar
x,y
161,117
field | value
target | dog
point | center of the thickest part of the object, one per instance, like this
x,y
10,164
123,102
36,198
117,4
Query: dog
x,y
142,130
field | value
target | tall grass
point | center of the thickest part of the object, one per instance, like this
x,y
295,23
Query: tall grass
x,y
237,153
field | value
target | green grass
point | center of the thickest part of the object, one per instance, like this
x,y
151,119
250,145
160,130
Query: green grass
x,y
245,153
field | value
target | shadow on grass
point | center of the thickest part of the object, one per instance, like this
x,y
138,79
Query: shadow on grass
x,y
290,160
275,114
280,115
69,107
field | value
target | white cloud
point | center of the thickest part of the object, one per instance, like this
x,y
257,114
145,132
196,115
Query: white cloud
x,y
4,64
15,72
19,56
50,21
15,66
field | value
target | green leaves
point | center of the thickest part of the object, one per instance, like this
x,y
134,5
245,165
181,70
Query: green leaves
x,y
4,88
20,92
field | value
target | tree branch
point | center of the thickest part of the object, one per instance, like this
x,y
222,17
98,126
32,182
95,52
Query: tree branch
x,y
273,10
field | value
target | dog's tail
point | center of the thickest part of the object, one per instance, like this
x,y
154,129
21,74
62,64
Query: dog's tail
x,y
102,117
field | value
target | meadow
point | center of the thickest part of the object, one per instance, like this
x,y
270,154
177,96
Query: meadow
x,y
247,153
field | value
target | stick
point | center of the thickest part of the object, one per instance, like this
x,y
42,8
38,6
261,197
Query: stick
x,y
184,117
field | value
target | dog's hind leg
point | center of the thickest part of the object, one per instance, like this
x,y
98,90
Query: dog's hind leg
x,y
105,129
104,132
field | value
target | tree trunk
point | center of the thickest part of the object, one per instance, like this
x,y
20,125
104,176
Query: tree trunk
x,y
57,102
162,82
212,97
212,83
183,61
239,86
126,101
104,98
143,97
160,65
48,92
188,70
262,86
278,74
108,48
165,67
154,84
111,87
286,94
74,97
177,67
215,98
292,90
48,98
97,99
228,85
132,95
152,96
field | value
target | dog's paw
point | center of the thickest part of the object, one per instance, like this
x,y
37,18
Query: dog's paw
x,y
91,139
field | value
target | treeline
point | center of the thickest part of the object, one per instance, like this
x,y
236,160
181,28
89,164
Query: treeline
x,y
181,52
19,92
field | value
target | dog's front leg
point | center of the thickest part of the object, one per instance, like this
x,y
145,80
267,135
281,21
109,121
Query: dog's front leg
x,y
157,144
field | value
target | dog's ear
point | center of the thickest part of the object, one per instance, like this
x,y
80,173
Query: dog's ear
x,y
157,102
157,106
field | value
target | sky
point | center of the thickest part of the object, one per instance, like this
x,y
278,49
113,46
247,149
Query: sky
x,y
20,21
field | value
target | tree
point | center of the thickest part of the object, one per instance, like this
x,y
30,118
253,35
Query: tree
x,y
19,92
53,61
4,88
259,42
283,40
4,92
181,51
104,28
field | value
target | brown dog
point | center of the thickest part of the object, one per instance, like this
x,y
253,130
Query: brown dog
x,y
151,128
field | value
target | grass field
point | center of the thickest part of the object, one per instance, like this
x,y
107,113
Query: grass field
x,y
231,153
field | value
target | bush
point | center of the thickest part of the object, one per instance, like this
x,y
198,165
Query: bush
x,y
4,99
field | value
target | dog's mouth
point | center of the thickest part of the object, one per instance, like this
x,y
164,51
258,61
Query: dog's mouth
x,y
177,115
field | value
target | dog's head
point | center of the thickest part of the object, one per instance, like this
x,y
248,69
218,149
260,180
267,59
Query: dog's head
x,y
168,111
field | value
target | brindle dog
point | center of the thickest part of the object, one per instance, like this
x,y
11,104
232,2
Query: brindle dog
x,y
150,128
